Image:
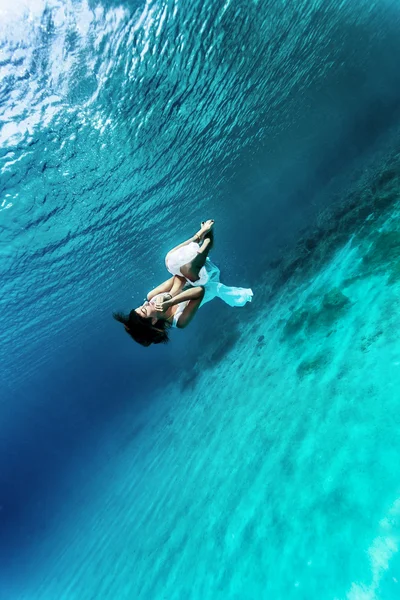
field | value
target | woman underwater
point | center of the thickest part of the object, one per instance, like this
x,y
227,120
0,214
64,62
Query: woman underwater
x,y
194,281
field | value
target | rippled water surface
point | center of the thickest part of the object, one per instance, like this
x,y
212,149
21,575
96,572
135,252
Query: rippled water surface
x,y
256,455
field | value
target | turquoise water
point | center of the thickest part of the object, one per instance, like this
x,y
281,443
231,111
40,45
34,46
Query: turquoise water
x,y
255,456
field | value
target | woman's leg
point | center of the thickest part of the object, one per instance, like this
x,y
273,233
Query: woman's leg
x,y
197,237
178,285
191,270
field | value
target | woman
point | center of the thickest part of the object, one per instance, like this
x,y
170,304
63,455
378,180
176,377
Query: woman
x,y
194,281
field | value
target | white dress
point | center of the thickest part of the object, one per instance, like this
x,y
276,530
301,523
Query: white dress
x,y
208,278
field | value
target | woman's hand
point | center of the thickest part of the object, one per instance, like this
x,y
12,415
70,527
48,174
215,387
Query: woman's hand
x,y
163,302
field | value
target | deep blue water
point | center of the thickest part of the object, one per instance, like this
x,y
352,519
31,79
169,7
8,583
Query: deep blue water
x,y
123,125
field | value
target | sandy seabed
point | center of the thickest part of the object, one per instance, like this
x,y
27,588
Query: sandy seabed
x,y
275,473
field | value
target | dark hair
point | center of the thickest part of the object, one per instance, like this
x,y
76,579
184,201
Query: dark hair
x,y
142,330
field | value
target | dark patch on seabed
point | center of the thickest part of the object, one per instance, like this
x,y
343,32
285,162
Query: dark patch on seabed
x,y
216,347
357,216
324,313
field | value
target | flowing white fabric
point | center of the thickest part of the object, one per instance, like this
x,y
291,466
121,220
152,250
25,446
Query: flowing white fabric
x,y
177,258
209,276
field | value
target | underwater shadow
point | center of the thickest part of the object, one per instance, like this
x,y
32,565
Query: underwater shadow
x,y
48,438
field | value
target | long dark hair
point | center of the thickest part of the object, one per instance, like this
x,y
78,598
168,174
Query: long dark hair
x,y
142,330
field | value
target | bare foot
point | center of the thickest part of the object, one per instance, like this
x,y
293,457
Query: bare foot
x,y
207,235
206,226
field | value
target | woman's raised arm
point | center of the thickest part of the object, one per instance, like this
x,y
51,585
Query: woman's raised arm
x,y
193,296
173,286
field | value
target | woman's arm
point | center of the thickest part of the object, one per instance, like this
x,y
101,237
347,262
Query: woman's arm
x,y
173,286
193,296
192,293
189,311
